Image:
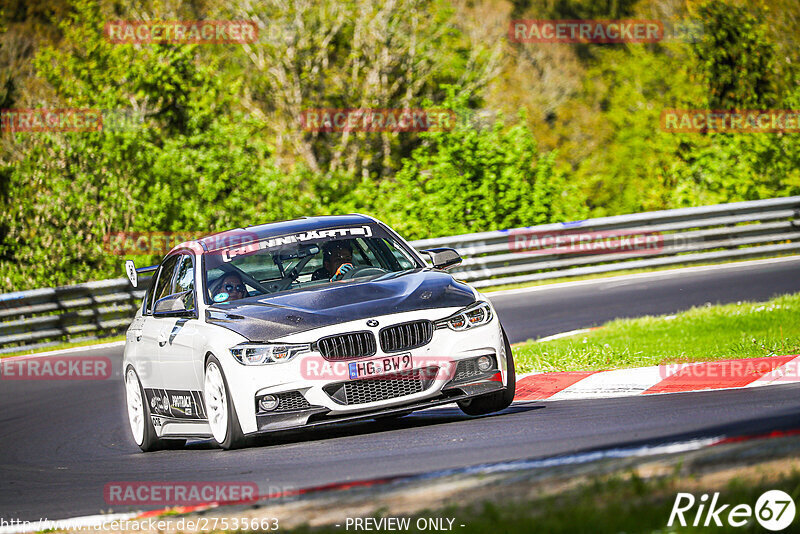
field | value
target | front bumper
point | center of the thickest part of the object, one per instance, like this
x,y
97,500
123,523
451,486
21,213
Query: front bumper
x,y
318,415
252,382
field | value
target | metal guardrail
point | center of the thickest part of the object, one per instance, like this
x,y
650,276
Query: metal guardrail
x,y
761,228
741,230
44,317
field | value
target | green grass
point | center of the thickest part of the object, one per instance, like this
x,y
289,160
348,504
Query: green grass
x,y
709,333
65,345
627,504
612,274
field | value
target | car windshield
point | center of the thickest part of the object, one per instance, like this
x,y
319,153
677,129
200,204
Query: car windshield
x,y
299,261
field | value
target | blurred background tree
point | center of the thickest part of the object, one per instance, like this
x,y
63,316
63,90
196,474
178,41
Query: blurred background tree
x,y
549,132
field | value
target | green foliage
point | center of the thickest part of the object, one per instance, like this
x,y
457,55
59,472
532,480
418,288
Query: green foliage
x,y
190,165
742,330
473,178
735,57
335,54
638,166
735,62
218,144
736,167
632,170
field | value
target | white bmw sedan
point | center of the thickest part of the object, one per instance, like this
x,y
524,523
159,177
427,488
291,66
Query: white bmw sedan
x,y
302,323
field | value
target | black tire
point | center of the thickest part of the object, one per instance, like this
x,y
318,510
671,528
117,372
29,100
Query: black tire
x,y
498,400
234,438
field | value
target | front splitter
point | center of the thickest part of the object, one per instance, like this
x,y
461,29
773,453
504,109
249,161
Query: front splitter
x,y
266,423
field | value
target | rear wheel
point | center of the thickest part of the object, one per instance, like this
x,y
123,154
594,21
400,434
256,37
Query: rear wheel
x,y
221,413
499,400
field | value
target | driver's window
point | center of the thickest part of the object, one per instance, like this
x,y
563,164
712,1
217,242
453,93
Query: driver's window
x,y
177,276
212,280
164,282
184,280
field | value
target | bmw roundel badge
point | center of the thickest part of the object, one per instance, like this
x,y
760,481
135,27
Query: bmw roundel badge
x,y
372,322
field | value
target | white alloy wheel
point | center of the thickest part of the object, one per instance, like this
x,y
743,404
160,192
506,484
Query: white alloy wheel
x,y
133,393
216,402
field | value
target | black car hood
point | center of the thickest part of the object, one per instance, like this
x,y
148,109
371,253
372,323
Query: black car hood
x,y
265,317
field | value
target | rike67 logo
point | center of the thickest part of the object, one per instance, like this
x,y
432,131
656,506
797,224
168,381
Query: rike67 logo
x,y
774,510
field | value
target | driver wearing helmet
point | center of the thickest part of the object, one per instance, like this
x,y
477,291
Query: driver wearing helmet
x,y
337,259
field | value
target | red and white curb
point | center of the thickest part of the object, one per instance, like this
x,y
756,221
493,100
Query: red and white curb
x,y
672,378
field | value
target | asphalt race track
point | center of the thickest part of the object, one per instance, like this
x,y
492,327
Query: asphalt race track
x,y
62,441
546,311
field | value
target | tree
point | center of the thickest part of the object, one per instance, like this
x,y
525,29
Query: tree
x,y
478,178
355,54
736,63
192,164
735,58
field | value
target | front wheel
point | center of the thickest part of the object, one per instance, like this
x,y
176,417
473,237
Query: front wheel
x,y
144,434
498,400
221,413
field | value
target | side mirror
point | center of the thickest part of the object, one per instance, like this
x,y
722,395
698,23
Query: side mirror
x,y
177,305
443,258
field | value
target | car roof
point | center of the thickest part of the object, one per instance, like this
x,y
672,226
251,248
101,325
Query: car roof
x,y
303,224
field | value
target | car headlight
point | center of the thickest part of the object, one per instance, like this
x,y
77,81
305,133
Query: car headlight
x,y
264,353
477,314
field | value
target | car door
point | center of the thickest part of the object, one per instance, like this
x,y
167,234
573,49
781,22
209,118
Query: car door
x,y
146,336
179,345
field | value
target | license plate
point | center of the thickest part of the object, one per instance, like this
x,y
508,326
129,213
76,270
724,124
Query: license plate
x,y
381,366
